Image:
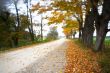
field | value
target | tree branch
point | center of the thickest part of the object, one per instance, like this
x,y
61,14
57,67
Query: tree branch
x,y
108,30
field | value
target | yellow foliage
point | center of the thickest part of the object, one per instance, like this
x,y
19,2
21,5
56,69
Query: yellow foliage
x,y
63,11
71,25
57,17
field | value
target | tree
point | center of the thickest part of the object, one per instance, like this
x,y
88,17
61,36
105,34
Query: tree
x,y
24,22
10,23
88,29
74,33
70,27
7,29
17,26
32,30
87,14
4,15
64,10
53,34
41,9
29,16
73,8
102,24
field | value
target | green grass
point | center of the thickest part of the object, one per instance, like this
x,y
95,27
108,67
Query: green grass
x,y
23,43
105,57
80,44
106,42
105,60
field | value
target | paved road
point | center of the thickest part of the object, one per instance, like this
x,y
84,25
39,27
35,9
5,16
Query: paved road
x,y
44,58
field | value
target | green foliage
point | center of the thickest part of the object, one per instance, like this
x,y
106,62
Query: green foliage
x,y
106,42
25,22
25,42
43,41
6,28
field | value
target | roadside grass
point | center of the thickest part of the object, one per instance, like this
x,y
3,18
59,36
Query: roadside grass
x,y
104,55
23,44
78,42
105,60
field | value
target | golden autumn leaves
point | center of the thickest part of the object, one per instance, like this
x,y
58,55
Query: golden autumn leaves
x,y
61,12
81,61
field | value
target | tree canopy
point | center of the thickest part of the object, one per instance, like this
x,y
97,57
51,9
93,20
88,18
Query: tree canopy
x,y
82,15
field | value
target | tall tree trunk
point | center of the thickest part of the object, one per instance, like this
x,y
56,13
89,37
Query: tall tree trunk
x,y
80,30
80,21
100,35
18,19
30,27
102,25
41,27
88,30
18,26
32,31
15,40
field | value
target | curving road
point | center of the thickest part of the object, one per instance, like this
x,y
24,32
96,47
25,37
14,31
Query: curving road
x,y
44,58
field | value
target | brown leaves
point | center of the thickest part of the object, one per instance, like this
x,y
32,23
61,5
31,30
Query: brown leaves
x,y
80,61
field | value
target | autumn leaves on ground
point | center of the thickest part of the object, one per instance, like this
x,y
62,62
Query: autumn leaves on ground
x,y
80,60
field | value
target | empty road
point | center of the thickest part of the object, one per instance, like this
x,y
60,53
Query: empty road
x,y
43,58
